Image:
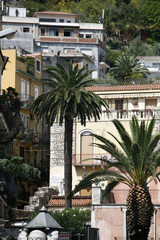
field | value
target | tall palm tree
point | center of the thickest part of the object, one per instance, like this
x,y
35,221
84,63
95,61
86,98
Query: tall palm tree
x,y
68,99
127,69
135,165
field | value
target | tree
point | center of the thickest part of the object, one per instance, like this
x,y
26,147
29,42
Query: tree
x,y
13,169
68,99
150,18
136,165
127,69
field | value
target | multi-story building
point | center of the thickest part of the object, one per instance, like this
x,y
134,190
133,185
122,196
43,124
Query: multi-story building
x,y
57,33
123,102
152,63
24,74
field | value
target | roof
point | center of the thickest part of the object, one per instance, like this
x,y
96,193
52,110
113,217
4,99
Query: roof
x,y
77,201
57,13
103,88
43,220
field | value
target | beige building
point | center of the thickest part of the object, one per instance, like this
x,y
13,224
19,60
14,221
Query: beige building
x,y
124,102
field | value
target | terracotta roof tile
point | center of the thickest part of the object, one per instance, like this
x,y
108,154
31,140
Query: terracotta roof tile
x,y
77,201
102,88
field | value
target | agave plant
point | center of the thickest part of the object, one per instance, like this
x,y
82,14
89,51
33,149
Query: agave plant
x,y
136,166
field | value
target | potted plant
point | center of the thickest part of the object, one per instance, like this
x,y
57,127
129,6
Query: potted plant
x,y
135,101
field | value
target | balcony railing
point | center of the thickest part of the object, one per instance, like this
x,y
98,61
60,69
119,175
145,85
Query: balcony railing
x,y
90,159
128,114
32,137
26,100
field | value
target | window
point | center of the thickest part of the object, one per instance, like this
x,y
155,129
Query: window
x,y
23,117
27,123
21,151
36,92
53,32
38,65
61,20
68,21
28,90
86,149
119,104
43,31
35,158
88,35
23,90
81,35
25,29
68,33
47,20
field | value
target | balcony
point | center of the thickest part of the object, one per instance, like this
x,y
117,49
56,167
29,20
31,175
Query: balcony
x,y
90,159
29,136
109,115
26,100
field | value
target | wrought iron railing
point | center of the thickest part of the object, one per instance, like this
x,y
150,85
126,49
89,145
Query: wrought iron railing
x,y
90,159
26,100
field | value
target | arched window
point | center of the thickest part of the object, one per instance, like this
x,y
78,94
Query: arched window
x,y
86,148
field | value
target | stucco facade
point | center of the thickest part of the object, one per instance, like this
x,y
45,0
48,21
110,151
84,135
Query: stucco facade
x,y
123,103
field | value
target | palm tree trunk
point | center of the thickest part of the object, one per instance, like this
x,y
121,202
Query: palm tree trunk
x,y
139,213
68,160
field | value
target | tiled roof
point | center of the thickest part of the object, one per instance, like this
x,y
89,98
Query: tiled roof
x,y
103,88
57,13
77,201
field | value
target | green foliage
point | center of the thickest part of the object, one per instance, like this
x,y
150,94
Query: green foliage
x,y
88,8
73,220
112,57
17,167
10,214
34,214
139,48
128,70
69,98
33,7
150,17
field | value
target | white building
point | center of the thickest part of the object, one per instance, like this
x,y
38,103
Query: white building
x,y
57,33
152,63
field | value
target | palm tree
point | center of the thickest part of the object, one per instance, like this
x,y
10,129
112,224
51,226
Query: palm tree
x,y
127,69
68,99
135,165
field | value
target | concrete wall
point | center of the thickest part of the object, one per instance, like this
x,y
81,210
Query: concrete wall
x,y
111,221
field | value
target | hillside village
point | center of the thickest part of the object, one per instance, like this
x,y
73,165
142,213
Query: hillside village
x,y
124,64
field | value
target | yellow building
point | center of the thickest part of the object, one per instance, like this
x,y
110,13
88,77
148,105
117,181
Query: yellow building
x,y
24,74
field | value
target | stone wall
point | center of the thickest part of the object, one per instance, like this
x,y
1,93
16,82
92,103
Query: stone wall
x,y
40,198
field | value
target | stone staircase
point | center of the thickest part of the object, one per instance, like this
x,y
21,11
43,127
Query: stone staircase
x,y
40,198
